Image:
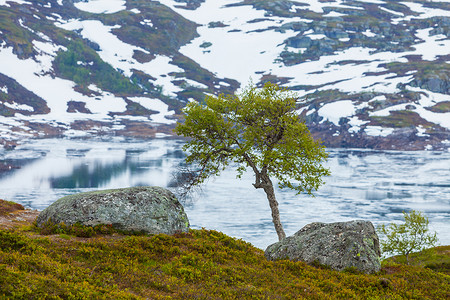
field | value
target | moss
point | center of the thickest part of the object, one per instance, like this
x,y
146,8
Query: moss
x,y
400,119
441,107
76,229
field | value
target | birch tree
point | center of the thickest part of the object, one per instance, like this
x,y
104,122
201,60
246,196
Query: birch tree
x,y
257,130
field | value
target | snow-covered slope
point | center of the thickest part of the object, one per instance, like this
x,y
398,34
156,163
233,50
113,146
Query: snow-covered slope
x,y
369,73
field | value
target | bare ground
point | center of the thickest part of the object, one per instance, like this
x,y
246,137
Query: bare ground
x,y
18,218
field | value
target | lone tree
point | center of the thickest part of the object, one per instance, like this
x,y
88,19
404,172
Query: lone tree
x,y
260,130
412,236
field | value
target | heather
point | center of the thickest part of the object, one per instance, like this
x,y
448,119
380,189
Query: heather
x,y
200,264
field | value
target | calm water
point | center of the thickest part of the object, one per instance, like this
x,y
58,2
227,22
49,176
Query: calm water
x,y
369,185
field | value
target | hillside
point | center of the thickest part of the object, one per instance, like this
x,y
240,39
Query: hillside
x,y
369,73
202,264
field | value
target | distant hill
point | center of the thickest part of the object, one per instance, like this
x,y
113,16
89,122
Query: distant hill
x,y
369,73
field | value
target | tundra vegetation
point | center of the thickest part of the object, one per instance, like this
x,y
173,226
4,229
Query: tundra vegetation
x,y
203,264
259,130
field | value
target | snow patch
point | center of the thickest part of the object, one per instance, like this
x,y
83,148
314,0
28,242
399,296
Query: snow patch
x,y
316,36
160,135
432,45
195,84
387,111
146,22
392,11
368,33
334,111
421,131
334,14
101,6
442,119
378,98
356,124
378,131
4,89
156,105
17,106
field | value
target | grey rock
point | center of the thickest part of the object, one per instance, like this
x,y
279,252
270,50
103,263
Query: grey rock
x,y
336,34
439,83
299,42
338,245
138,209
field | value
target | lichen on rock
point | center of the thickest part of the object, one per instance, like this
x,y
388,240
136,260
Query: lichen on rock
x,y
340,245
150,210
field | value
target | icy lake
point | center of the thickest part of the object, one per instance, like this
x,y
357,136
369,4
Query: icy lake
x,y
365,184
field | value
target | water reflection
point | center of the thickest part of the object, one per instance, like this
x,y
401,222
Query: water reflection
x,y
370,185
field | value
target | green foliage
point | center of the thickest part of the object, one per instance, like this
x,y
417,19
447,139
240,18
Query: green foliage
x,y
202,264
412,236
437,259
11,241
258,129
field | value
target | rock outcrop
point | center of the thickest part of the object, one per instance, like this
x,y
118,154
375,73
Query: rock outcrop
x,y
138,209
338,245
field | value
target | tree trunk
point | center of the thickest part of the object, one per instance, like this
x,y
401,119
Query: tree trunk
x,y
274,207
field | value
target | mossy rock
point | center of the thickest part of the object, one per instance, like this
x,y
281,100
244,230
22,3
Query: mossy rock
x,y
340,246
151,210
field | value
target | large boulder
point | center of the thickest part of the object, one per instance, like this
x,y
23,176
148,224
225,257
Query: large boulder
x,y
338,245
138,209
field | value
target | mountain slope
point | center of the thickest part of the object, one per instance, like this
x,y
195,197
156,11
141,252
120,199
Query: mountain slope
x,y
369,73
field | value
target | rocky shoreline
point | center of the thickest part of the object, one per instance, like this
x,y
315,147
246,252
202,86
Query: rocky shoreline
x,y
402,139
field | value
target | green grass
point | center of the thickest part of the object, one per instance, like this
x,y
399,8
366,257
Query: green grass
x,y
202,264
437,259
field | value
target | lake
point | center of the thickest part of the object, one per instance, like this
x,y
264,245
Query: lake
x,y
365,184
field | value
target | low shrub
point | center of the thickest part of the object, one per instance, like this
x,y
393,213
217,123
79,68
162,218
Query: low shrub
x,y
7,207
76,229
201,264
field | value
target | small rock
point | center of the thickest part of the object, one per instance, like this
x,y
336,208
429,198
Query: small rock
x,y
138,209
339,245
